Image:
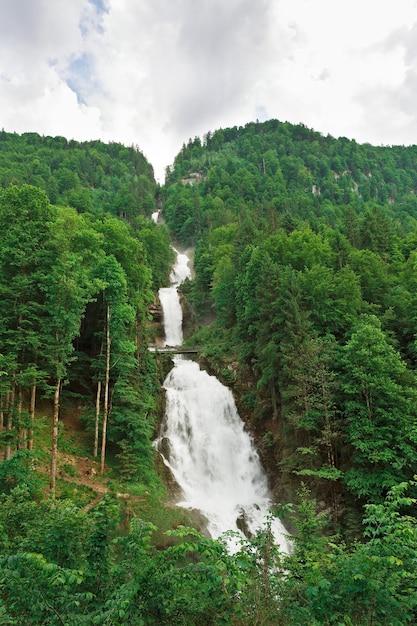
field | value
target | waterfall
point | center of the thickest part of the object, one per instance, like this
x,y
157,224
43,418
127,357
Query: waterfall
x,y
170,302
210,454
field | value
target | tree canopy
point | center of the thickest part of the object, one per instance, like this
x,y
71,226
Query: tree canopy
x,y
304,301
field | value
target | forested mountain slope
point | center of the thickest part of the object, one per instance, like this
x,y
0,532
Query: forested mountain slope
x,y
306,258
80,263
306,253
90,176
277,168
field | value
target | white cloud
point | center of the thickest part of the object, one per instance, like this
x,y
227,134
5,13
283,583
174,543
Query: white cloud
x,y
156,73
38,40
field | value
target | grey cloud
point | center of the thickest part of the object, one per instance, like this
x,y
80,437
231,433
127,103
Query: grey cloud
x,y
411,45
405,38
33,32
223,29
392,110
323,76
19,20
220,50
183,65
401,101
405,98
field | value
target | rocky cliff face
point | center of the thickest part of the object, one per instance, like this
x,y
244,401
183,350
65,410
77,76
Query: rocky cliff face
x,y
155,324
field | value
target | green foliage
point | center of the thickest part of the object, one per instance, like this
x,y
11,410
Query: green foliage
x,y
90,176
40,592
370,582
55,287
380,409
305,266
298,237
60,565
159,254
20,470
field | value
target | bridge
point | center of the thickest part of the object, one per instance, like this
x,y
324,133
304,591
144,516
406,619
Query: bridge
x,y
173,350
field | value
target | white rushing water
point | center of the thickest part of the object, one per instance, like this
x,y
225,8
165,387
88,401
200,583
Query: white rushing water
x,y
170,302
211,455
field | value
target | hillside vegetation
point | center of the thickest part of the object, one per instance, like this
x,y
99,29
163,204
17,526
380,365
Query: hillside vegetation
x,y
90,176
306,253
305,261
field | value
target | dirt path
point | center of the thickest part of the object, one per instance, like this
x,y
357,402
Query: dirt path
x,y
84,471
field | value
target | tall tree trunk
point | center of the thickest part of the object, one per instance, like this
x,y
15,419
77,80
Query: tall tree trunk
x,y
98,395
274,401
55,425
106,393
137,335
98,402
9,424
31,415
21,437
2,407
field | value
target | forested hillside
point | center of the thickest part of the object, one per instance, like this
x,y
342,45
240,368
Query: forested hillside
x,y
90,176
76,285
306,254
305,266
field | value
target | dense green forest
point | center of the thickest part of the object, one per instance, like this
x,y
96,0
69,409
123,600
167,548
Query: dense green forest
x,y
89,176
303,302
306,254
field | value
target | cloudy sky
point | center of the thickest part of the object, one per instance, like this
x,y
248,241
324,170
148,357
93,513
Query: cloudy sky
x,y
156,72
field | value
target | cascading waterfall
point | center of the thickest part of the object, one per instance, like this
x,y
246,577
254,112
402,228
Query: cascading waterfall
x,y
170,302
210,454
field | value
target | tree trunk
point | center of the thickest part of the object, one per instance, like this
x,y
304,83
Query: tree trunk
x,y
274,401
9,424
106,393
31,415
21,437
54,450
2,403
97,418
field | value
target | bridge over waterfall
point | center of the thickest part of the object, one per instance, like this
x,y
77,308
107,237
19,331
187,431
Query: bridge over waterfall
x,y
173,350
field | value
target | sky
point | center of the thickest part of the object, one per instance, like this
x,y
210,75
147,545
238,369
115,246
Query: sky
x,y
155,73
